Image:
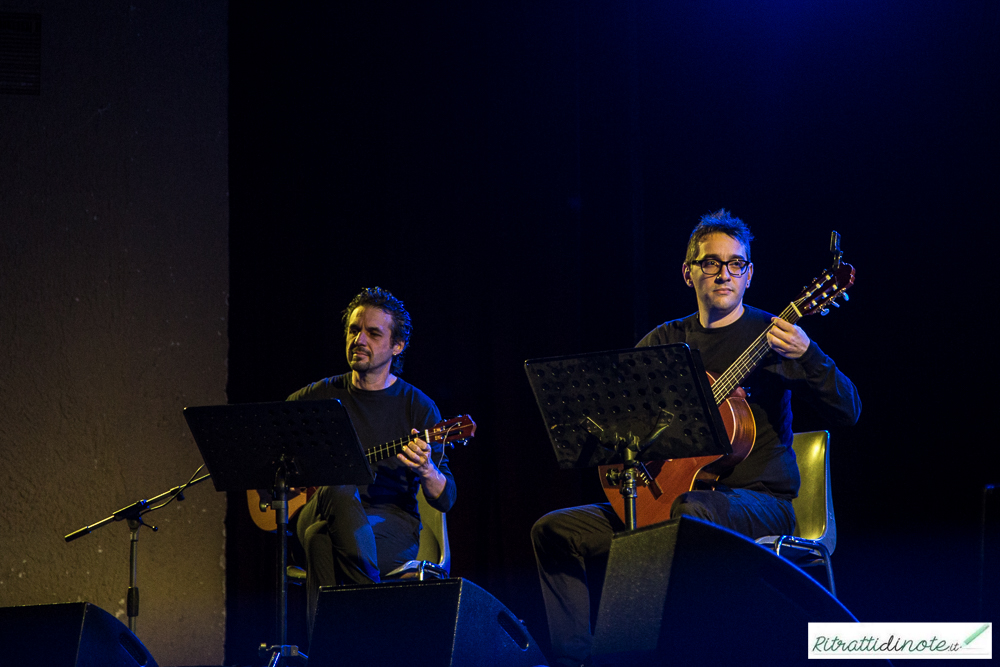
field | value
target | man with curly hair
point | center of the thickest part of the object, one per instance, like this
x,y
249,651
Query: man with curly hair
x,y
355,535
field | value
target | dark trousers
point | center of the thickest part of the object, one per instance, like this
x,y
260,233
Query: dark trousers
x,y
348,543
571,542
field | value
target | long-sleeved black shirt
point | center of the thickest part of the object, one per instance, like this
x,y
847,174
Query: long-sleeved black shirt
x,y
380,417
770,466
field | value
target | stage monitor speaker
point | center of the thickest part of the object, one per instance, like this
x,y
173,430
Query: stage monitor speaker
x,y
76,634
687,591
442,623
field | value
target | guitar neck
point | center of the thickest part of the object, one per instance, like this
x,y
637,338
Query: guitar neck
x,y
444,432
387,450
823,292
749,360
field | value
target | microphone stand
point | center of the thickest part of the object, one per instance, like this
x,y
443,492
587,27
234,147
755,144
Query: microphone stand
x,y
132,514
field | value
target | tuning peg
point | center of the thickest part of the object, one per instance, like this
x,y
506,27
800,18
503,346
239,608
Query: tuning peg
x,y
835,304
824,312
846,297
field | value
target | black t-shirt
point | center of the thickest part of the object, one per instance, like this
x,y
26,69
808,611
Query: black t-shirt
x,y
380,417
770,465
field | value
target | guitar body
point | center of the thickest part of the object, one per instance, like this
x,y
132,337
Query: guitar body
x,y
653,501
447,432
267,519
741,429
670,478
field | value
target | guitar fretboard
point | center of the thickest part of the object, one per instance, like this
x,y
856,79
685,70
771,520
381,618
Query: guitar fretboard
x,y
388,450
749,360
445,432
821,293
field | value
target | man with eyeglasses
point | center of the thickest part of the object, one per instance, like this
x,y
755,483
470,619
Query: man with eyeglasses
x,y
755,497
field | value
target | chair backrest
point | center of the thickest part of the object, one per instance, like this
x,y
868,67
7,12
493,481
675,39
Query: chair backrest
x,y
434,546
814,505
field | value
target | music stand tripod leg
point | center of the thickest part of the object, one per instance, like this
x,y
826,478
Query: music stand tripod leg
x,y
279,503
625,479
628,490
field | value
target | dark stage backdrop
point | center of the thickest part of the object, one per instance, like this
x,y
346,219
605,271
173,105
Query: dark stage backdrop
x,y
525,175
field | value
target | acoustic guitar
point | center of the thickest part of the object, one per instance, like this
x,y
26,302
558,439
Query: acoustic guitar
x,y
446,432
659,483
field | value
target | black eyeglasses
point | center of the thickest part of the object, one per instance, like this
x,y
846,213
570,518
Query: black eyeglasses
x,y
713,267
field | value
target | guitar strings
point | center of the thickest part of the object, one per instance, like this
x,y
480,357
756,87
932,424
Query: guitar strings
x,y
748,360
380,452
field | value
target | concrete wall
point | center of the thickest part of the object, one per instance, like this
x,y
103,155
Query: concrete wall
x,y
113,307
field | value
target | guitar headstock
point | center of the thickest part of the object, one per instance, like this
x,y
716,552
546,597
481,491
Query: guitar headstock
x,y
825,290
451,430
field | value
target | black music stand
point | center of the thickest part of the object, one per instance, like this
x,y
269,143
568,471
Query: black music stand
x,y
627,406
278,446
